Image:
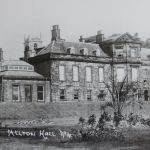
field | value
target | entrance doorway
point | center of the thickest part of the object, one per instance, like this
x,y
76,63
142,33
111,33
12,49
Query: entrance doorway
x,y
28,95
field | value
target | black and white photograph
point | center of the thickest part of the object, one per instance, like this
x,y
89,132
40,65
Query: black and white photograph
x,y
74,75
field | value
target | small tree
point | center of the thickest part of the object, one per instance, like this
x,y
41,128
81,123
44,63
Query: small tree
x,y
122,94
92,120
81,121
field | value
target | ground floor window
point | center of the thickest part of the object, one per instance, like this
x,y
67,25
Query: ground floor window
x,y
16,93
40,93
146,95
62,95
89,95
101,95
76,94
28,93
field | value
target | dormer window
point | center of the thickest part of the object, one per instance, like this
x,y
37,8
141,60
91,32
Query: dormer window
x,y
70,50
84,51
96,52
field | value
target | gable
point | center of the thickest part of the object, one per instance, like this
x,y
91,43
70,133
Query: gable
x,y
125,38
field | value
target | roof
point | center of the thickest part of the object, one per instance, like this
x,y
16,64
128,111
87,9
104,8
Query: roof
x,y
114,38
21,74
62,46
16,63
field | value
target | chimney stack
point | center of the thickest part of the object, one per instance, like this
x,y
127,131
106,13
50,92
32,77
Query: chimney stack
x,y
99,37
1,55
55,33
81,39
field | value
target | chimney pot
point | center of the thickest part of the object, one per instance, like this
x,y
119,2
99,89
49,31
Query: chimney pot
x,y
55,33
1,54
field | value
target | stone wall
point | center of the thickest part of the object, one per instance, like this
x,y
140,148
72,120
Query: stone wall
x,y
7,86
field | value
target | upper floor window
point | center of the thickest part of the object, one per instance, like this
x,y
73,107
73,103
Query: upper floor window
x,y
134,73
75,73
133,52
16,93
119,52
61,73
84,51
70,50
101,74
96,52
120,74
118,46
88,74
40,93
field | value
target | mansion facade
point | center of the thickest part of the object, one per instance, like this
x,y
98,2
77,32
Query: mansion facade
x,y
74,71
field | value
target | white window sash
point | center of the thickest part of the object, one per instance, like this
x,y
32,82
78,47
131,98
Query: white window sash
x,y
61,73
120,74
101,74
134,74
88,74
75,73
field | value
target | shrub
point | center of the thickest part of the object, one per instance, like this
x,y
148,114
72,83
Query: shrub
x,y
81,121
92,120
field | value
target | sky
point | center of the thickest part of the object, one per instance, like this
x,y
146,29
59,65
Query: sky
x,y
19,18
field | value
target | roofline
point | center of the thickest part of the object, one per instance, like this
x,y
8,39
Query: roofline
x,y
24,78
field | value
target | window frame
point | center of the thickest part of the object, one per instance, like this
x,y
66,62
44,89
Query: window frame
x,y
43,92
62,95
73,75
75,93
86,78
61,74
99,77
89,94
134,80
18,93
123,76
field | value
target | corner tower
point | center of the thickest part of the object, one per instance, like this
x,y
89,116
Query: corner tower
x,y
30,46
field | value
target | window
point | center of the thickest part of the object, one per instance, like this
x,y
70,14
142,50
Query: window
x,y
40,93
101,74
88,74
146,95
133,52
75,73
101,95
15,93
84,51
89,96
62,73
76,94
134,73
30,68
62,95
120,74
119,52
70,50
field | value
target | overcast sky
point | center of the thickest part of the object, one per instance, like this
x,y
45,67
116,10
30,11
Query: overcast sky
x,y
75,18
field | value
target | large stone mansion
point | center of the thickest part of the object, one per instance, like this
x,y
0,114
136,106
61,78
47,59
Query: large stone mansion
x,y
66,71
